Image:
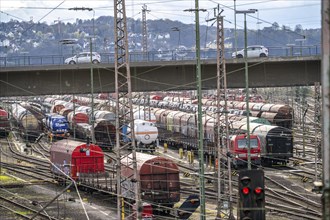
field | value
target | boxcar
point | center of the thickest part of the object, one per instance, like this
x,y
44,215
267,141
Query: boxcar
x,y
158,176
75,158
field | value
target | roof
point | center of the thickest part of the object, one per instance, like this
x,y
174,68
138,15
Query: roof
x,y
69,146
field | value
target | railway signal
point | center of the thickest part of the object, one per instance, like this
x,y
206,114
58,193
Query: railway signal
x,y
252,195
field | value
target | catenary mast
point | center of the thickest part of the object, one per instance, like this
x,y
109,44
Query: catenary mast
x,y
326,107
124,110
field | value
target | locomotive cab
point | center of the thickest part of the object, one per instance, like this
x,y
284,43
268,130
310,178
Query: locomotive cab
x,y
239,149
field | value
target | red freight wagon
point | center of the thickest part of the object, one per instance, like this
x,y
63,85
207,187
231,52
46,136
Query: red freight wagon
x,y
4,123
159,179
74,158
77,117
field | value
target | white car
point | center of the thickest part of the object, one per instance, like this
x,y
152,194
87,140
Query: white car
x,y
84,57
252,51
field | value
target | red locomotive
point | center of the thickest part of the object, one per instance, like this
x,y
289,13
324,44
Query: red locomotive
x,y
239,149
74,158
4,123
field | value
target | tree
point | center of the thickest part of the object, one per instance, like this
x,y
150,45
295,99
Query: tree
x,y
298,28
275,26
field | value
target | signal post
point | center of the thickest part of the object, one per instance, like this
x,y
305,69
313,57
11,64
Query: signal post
x,y
251,204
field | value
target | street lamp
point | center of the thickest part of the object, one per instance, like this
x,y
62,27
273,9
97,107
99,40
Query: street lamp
x,y
177,29
235,27
301,42
92,73
247,97
87,9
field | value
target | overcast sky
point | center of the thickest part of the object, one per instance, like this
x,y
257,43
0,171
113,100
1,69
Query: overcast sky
x,y
285,12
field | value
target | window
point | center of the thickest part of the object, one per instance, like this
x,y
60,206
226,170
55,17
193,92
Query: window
x,y
242,143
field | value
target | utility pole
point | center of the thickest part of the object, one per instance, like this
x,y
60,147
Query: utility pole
x,y
58,26
325,77
317,123
200,116
92,93
222,141
247,97
123,90
144,29
218,122
235,32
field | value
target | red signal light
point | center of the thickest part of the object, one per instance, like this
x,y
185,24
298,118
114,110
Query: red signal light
x,y
246,190
258,190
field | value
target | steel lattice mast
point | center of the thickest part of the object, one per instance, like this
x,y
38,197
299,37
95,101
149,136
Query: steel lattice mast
x,y
222,139
124,110
144,29
326,107
219,144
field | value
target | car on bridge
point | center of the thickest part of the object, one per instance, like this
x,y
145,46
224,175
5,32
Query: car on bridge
x,y
84,57
252,51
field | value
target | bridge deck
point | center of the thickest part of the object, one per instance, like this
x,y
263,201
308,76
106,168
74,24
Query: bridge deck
x,y
158,76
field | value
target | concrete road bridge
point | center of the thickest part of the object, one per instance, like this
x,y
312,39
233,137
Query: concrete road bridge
x,y
158,76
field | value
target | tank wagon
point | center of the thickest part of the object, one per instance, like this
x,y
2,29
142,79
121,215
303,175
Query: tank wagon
x,y
158,176
75,117
4,123
277,114
56,125
146,134
73,159
29,125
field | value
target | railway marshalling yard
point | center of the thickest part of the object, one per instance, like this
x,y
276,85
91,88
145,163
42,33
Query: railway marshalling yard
x,y
28,186
292,185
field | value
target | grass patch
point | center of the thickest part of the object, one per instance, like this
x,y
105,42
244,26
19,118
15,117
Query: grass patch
x,y
24,212
7,179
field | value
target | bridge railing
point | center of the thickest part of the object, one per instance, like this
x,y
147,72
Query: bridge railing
x,y
151,56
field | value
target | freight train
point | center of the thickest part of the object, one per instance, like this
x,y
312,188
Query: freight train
x,y
159,177
179,129
104,126
276,141
277,114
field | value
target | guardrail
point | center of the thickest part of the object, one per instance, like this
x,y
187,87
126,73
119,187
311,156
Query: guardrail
x,y
150,56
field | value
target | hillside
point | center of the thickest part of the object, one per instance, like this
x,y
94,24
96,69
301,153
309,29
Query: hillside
x,y
17,38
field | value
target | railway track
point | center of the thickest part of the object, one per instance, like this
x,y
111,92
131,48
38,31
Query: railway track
x,y
22,210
